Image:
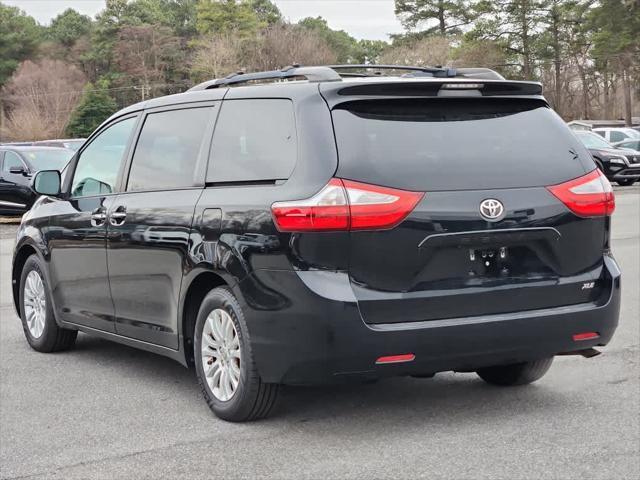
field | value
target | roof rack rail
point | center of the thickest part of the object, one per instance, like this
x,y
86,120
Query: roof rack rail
x,y
333,73
312,74
433,71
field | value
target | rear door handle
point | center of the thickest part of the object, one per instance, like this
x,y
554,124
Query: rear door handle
x,y
118,216
98,217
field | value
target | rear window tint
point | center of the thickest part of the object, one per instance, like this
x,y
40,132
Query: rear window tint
x,y
253,140
456,144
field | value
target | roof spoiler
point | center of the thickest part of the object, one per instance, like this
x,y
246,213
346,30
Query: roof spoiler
x,y
444,87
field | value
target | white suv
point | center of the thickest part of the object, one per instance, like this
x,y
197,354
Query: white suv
x,y
613,135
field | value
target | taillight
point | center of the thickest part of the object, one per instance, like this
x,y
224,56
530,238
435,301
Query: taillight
x,y
346,205
374,207
588,196
326,210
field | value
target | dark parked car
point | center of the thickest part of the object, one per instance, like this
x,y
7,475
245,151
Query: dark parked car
x,y
619,164
70,143
327,228
17,165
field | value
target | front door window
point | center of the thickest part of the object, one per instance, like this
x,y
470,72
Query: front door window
x,y
98,166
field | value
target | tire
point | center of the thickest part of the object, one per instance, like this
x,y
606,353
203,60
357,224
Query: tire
x,y
625,183
38,321
515,374
251,398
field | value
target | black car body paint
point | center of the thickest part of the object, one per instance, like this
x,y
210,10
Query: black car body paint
x,y
323,306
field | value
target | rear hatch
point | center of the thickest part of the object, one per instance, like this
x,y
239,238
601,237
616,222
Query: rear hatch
x,y
445,259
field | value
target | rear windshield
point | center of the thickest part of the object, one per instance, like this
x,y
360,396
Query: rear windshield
x,y
456,144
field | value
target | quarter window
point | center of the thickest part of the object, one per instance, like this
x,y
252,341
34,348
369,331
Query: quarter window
x,y
97,169
254,140
168,149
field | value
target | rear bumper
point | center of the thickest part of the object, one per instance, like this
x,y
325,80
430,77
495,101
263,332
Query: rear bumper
x,y
305,328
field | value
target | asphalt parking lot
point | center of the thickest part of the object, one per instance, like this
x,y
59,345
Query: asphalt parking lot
x,y
109,411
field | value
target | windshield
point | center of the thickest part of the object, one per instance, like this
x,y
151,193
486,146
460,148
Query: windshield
x,y
632,144
591,140
48,159
74,144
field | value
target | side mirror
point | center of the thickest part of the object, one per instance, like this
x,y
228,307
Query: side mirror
x,y
47,182
19,170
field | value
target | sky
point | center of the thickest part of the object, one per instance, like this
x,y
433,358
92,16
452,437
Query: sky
x,y
370,19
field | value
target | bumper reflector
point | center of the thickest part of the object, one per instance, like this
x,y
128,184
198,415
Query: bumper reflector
x,y
585,336
406,357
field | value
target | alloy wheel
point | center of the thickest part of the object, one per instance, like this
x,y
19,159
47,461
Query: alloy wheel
x,y
35,303
221,354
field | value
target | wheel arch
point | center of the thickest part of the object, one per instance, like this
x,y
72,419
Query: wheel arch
x,y
19,259
599,163
198,288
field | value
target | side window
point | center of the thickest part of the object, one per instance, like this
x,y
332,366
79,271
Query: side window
x,y
601,133
617,136
97,168
167,150
253,140
11,159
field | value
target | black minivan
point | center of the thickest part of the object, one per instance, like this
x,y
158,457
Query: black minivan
x,y
325,224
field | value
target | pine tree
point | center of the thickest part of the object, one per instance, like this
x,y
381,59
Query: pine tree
x,y
95,107
436,17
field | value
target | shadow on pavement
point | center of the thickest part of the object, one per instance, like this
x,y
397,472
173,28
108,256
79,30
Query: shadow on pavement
x,y
403,400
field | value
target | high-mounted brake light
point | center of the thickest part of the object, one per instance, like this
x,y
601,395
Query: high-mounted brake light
x,y
346,205
588,196
462,86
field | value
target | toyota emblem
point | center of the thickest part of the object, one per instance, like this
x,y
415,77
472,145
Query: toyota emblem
x,y
491,209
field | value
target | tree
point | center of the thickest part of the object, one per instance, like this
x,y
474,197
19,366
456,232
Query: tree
x,y
99,58
147,54
95,107
344,46
283,44
40,97
563,48
227,16
216,56
183,17
19,39
616,25
69,26
440,17
480,53
370,51
516,25
266,11
426,52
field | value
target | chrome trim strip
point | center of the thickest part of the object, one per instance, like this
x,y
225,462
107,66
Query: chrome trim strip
x,y
485,232
11,204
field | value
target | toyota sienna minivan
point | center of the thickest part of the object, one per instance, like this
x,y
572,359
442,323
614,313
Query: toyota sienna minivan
x,y
327,224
